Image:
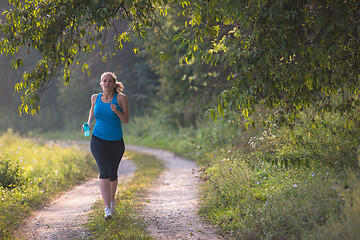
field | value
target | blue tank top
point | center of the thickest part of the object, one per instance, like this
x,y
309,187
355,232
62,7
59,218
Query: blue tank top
x,y
108,124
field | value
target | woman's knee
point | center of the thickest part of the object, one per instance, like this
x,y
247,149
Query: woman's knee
x,y
105,175
113,177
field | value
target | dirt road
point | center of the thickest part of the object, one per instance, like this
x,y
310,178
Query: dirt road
x,y
64,217
171,207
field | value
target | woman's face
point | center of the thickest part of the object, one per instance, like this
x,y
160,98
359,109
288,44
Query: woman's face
x,y
107,82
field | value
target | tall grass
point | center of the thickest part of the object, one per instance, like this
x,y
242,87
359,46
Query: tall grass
x,y
32,172
266,201
346,226
273,182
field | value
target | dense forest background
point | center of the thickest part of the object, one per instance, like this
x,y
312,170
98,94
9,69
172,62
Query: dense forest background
x,y
65,107
182,93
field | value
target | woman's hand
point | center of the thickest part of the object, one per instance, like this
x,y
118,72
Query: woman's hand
x,y
82,128
114,109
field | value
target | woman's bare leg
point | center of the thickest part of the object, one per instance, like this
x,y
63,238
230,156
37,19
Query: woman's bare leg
x,y
113,187
105,191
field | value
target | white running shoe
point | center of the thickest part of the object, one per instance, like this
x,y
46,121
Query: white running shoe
x,y
112,207
108,213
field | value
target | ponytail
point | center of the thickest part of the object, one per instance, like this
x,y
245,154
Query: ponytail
x,y
119,87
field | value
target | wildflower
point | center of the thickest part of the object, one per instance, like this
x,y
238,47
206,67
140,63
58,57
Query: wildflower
x,y
305,181
327,173
294,185
231,168
257,183
267,203
313,175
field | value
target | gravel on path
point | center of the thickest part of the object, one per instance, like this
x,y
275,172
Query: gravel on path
x,y
172,205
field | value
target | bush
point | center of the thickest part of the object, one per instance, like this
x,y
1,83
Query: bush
x,y
10,175
325,140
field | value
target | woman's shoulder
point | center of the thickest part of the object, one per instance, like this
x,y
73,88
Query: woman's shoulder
x,y
121,96
121,99
93,97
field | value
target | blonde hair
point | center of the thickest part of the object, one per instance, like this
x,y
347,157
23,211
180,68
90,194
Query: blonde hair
x,y
119,87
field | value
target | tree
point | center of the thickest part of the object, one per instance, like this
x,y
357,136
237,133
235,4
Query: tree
x,y
63,31
284,54
187,90
287,55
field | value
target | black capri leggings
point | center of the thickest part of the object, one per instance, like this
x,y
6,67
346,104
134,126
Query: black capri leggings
x,y
108,155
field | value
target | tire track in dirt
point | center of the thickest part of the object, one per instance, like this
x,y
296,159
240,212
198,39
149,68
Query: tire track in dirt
x,y
172,204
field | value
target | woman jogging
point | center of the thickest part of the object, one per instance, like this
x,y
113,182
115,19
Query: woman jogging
x,y
110,109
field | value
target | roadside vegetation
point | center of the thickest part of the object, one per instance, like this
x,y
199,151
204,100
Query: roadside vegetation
x,y
268,182
273,182
293,65
32,172
126,224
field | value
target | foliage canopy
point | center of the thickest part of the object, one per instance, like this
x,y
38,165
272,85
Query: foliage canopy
x,y
284,54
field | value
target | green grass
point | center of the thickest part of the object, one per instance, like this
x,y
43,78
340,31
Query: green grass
x,y
270,183
346,224
267,202
264,183
32,172
127,224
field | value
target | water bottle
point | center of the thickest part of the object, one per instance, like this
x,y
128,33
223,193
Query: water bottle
x,y
86,129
